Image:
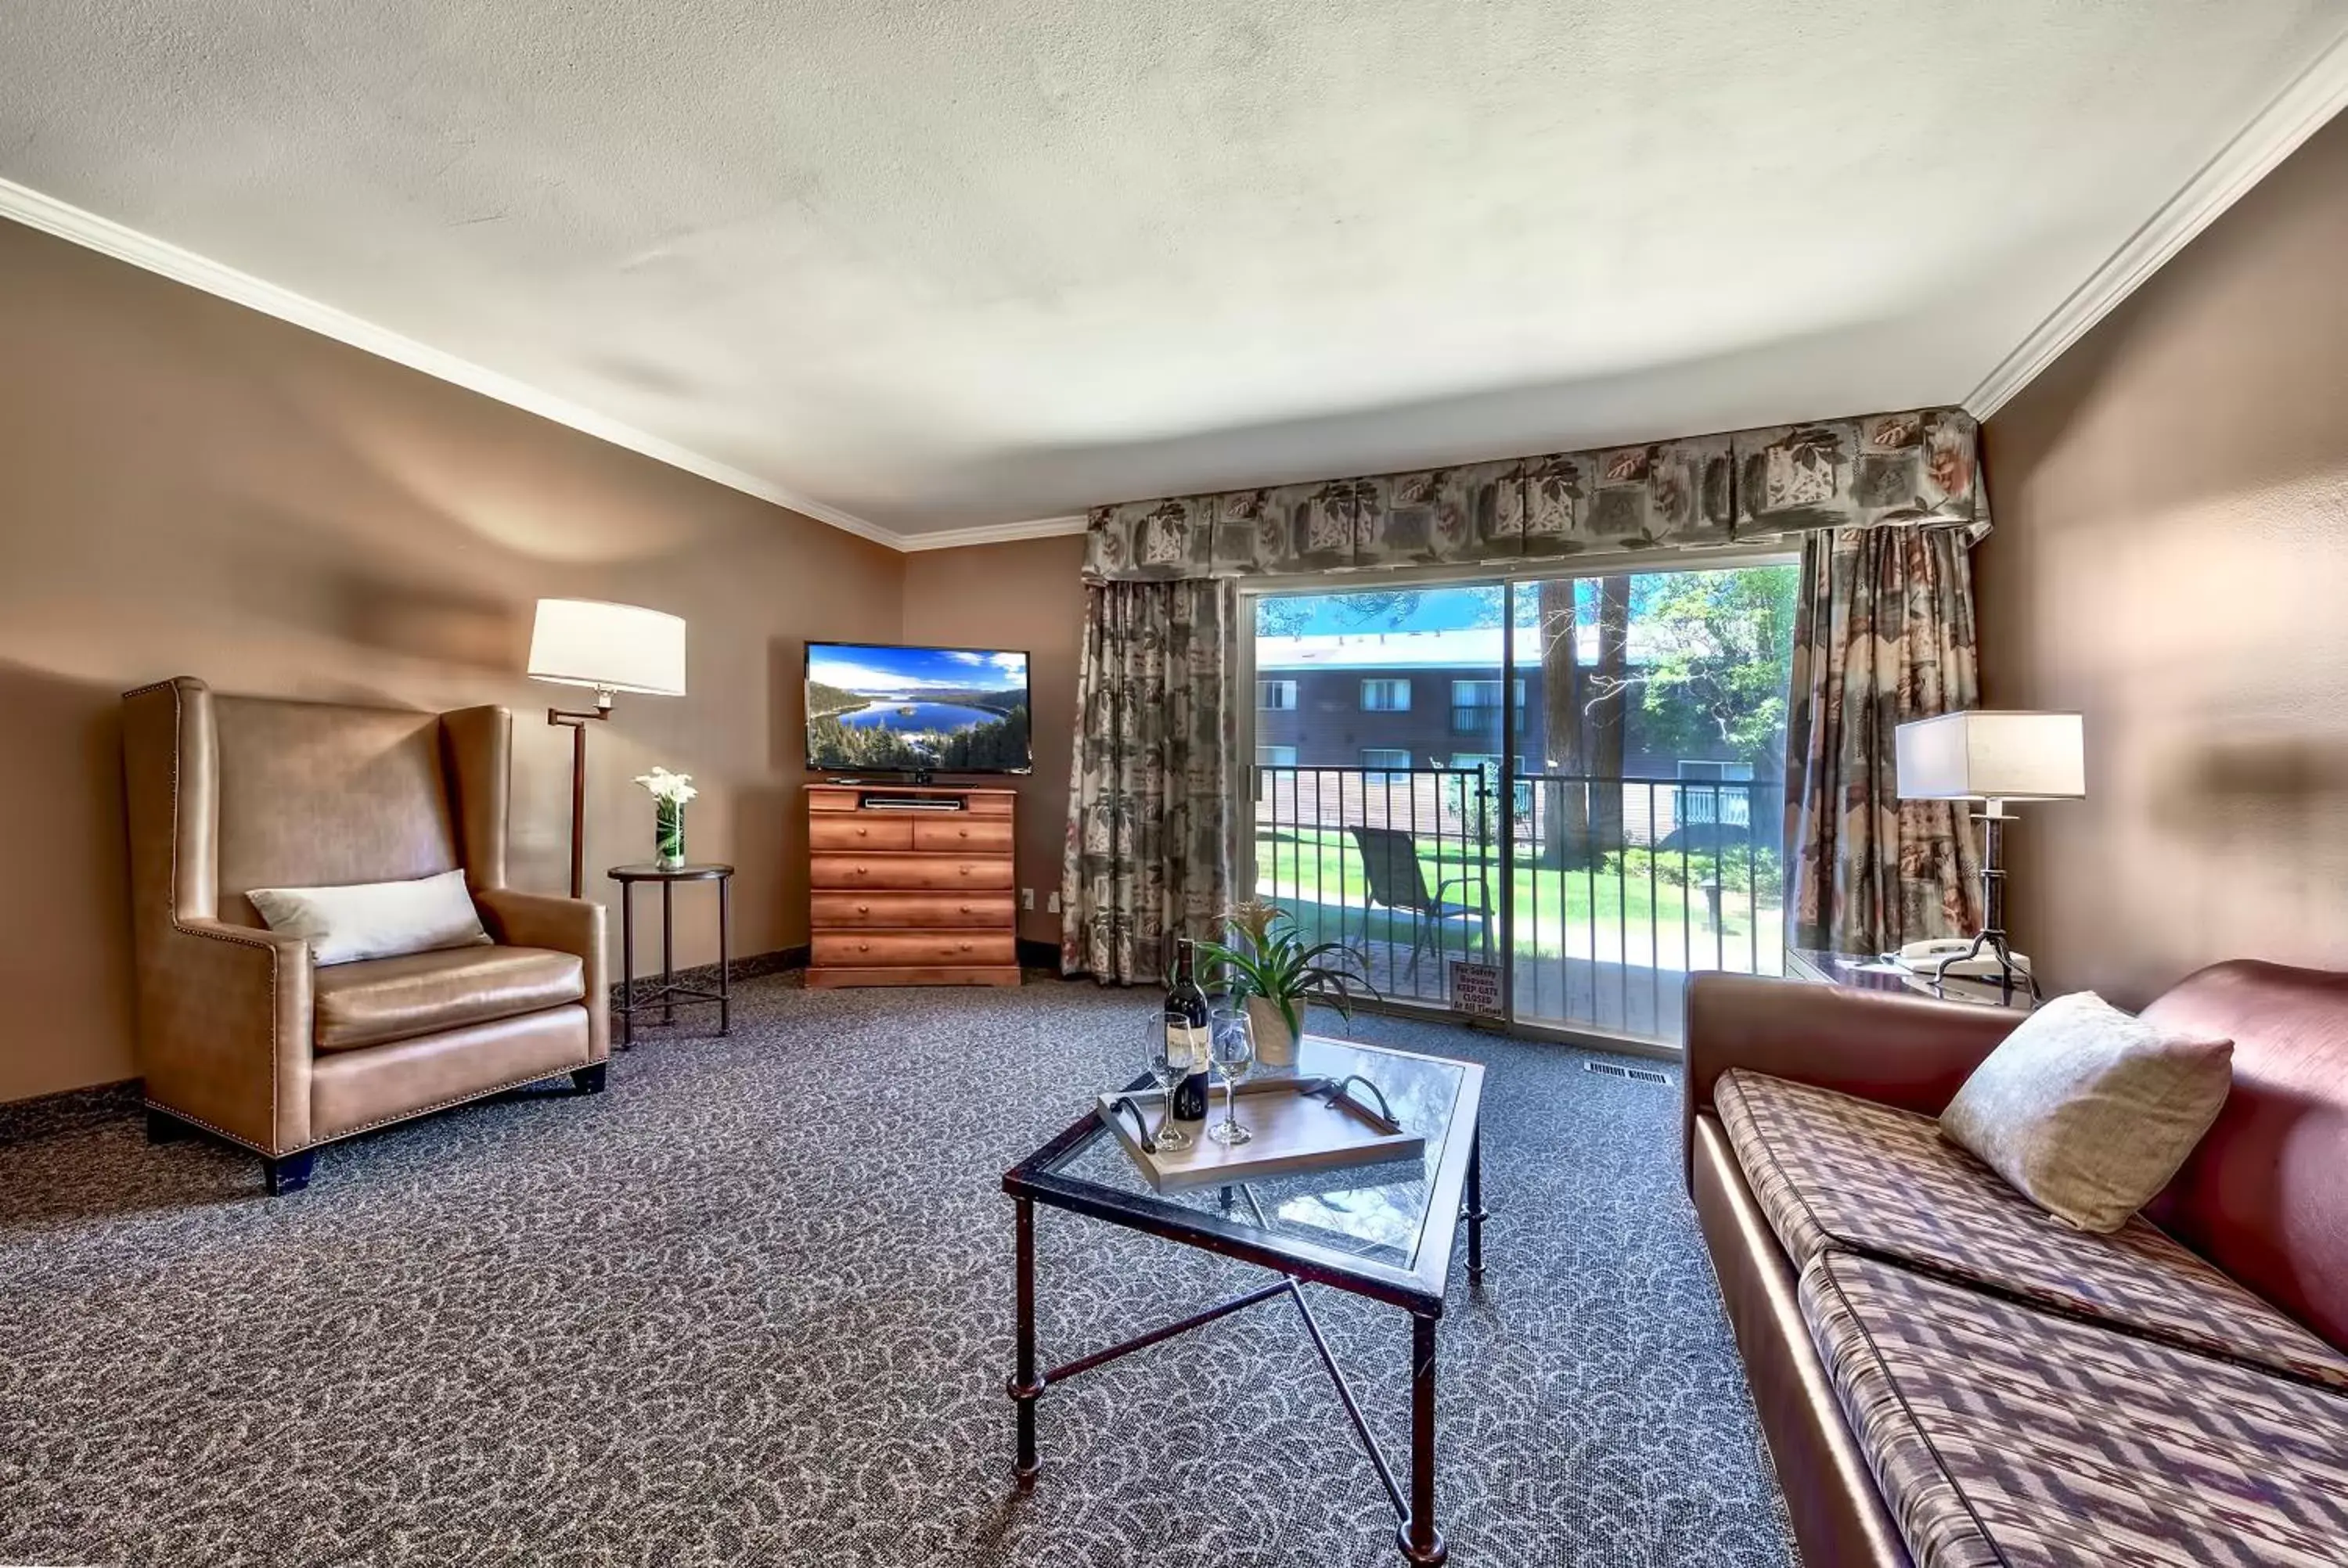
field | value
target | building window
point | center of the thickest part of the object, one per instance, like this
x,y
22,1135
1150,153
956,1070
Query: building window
x,y
1473,759
1483,694
1275,756
1476,706
1699,771
1375,760
1276,696
1385,696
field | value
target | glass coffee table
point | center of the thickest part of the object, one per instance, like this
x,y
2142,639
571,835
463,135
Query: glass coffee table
x,y
1385,1232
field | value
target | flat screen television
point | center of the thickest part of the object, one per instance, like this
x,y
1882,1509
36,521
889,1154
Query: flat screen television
x,y
880,708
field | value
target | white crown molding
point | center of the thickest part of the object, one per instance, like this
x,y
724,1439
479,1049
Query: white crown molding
x,y
2296,113
124,243
992,534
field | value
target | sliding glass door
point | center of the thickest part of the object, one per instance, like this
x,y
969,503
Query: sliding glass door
x,y
1375,820
1575,778
1654,755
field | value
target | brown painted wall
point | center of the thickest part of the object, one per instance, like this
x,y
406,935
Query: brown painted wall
x,y
189,487
1023,595
2171,559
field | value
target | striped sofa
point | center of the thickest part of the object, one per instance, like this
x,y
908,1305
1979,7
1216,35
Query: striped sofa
x,y
1949,1377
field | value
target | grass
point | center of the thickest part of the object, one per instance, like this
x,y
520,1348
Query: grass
x,y
1615,913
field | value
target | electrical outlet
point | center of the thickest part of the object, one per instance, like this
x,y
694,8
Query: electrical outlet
x,y
1028,898
1052,905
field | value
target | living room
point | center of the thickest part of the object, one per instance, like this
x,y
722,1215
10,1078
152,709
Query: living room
x,y
1342,446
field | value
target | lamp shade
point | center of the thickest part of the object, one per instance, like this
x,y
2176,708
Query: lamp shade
x,y
1993,756
611,647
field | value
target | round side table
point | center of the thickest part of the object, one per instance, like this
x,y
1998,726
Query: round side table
x,y
668,993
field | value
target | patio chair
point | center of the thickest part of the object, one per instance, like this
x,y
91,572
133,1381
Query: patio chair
x,y
1398,881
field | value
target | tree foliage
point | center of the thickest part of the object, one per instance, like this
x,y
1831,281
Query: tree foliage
x,y
997,744
1717,652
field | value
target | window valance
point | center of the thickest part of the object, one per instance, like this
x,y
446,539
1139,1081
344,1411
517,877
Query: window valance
x,y
1917,468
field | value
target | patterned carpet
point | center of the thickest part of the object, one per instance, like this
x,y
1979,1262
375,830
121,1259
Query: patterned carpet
x,y
754,1305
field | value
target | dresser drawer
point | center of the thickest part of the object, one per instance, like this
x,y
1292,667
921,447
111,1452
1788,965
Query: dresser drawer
x,y
893,950
836,873
911,911
964,835
852,832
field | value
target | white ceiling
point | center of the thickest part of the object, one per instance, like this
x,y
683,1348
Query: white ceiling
x,y
963,262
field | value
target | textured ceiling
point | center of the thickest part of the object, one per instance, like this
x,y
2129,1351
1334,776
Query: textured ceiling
x,y
974,261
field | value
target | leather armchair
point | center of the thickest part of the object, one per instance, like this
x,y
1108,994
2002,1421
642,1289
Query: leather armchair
x,y
238,1033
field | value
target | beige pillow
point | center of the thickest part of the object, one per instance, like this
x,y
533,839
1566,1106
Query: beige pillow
x,y
374,920
2089,1111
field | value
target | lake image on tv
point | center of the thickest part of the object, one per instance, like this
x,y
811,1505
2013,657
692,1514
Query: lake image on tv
x,y
917,717
884,709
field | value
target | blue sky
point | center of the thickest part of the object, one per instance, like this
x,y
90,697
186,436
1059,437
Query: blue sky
x,y
870,668
1436,610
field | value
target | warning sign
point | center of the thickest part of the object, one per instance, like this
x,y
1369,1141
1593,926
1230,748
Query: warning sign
x,y
1475,987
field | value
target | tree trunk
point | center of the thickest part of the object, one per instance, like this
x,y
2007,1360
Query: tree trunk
x,y
1608,712
1565,825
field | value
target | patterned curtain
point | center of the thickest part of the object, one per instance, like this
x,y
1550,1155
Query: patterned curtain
x,y
1149,798
1913,468
1883,634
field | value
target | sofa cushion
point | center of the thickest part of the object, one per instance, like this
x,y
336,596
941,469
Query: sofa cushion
x,y
380,999
1834,1171
2089,1112
2000,1435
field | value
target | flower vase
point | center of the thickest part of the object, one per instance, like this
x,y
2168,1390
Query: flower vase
x,y
668,835
1275,1043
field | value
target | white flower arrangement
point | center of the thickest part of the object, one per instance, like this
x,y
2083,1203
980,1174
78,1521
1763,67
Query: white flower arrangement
x,y
673,789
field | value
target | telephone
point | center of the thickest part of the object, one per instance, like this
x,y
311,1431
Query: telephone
x,y
1945,957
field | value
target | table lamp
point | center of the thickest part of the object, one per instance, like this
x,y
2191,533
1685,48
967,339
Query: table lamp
x,y
613,647
1993,757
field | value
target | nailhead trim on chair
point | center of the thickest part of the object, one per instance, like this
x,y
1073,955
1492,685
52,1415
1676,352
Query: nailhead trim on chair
x,y
364,1126
443,1105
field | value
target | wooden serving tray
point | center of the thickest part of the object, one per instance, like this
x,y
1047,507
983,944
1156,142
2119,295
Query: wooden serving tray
x,y
1300,1125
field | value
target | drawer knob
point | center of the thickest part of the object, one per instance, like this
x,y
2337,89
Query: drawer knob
x,y
965,908
863,947
863,832
965,871
864,908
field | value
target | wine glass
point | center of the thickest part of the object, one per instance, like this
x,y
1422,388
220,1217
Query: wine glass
x,y
1169,1063
1231,1045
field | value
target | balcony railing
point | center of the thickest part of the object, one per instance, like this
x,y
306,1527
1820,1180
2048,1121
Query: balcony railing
x,y
1483,718
1620,885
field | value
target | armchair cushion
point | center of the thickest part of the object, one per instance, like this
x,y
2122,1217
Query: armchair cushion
x,y
379,999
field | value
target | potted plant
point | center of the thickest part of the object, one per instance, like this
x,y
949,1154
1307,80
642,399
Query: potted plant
x,y
1278,976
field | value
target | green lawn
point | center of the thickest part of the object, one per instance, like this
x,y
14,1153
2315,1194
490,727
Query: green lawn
x,y
1616,913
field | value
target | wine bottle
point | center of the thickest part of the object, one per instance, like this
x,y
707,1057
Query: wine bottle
x,y
1186,1030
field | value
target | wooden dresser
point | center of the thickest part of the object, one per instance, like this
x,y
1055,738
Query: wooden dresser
x,y
911,884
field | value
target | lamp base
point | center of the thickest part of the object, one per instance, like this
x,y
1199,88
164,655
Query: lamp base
x,y
1993,932
2007,970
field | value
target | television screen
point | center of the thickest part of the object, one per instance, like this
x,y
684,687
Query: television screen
x,y
877,708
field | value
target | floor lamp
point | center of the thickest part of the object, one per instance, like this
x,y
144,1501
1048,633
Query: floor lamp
x,y
1993,757
611,648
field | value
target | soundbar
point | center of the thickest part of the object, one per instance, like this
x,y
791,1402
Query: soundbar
x,y
874,801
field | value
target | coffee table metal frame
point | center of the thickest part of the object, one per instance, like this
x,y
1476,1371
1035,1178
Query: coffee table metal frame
x,y
1456,1194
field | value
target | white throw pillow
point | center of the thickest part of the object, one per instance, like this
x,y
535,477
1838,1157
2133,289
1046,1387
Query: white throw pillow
x,y
2089,1111
374,920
